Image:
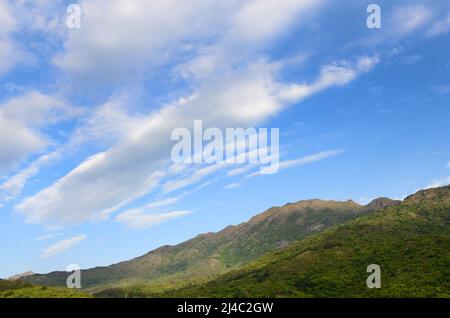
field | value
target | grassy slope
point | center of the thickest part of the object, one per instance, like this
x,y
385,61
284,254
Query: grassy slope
x,y
208,255
411,243
18,289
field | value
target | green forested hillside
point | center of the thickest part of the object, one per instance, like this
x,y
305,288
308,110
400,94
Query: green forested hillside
x,y
410,241
19,289
208,255
308,249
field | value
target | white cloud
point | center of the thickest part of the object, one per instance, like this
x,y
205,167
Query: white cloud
x,y
7,21
130,168
310,159
111,41
17,142
440,27
203,172
264,19
440,182
448,164
104,125
407,19
111,44
63,246
13,186
238,91
137,164
107,123
336,74
163,202
46,237
45,16
241,170
22,120
232,186
398,23
138,219
35,109
9,51
441,89
26,16
304,160
198,175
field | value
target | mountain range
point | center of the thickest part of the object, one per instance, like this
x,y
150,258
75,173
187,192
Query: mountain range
x,y
208,255
311,248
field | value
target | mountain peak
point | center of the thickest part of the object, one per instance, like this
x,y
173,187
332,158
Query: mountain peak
x,y
433,195
303,206
380,203
321,204
22,275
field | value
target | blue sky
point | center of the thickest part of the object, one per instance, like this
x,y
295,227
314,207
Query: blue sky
x,y
86,114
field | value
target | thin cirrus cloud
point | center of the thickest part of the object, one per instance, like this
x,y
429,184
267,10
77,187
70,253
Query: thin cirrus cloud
x,y
14,185
233,186
310,159
304,160
46,237
140,219
404,20
418,16
163,202
63,246
426,18
241,170
283,165
440,27
196,176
